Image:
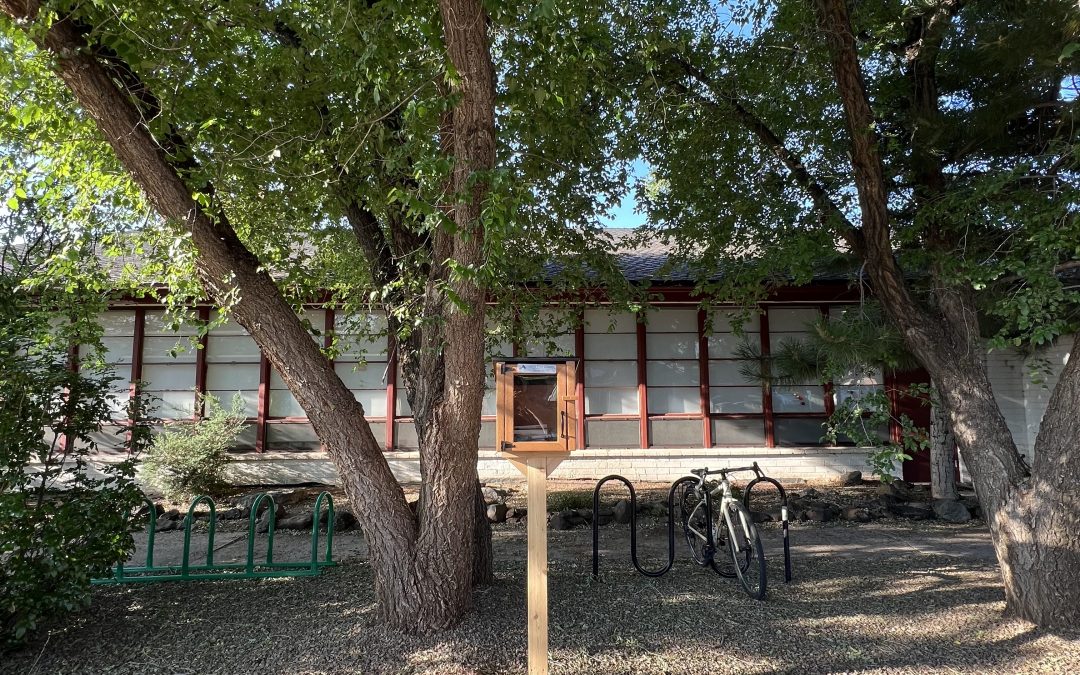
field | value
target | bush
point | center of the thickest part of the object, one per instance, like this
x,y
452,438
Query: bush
x,y
190,458
59,528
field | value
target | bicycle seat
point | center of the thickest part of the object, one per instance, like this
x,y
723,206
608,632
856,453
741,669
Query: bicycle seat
x,y
700,472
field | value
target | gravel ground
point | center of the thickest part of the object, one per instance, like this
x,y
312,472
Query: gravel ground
x,y
907,613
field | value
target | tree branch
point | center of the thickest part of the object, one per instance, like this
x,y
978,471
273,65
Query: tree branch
x,y
767,138
228,270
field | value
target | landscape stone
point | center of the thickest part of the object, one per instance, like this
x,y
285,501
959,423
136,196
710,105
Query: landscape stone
x,y
912,510
951,511
561,522
496,513
896,489
344,520
818,514
232,513
856,514
300,521
760,516
851,478
492,496
622,512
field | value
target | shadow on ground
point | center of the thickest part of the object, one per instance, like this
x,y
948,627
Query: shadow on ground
x,y
899,609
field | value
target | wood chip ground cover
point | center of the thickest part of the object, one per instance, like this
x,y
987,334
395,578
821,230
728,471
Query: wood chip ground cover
x,y
909,613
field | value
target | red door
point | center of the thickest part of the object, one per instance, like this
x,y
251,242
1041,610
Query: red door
x,y
917,407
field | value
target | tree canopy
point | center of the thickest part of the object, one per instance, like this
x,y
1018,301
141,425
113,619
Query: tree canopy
x,y
736,110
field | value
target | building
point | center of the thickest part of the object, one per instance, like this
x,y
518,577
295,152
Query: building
x,y
654,398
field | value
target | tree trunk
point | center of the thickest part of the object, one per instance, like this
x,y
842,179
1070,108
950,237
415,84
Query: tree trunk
x,y
943,477
423,566
1033,514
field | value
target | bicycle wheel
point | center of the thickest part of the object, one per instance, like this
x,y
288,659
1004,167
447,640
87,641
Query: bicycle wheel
x,y
745,549
694,523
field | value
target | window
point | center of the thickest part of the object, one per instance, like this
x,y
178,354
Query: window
x,y
787,325
730,391
362,359
117,341
232,366
282,402
169,366
610,363
672,369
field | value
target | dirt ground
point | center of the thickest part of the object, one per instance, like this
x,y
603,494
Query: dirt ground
x,y
884,597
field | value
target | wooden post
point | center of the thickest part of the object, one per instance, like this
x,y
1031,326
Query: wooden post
x,y
536,473
536,467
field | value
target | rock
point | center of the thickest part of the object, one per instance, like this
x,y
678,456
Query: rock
x,y
622,512
496,513
584,514
820,511
896,489
760,517
262,525
165,524
604,518
856,514
171,514
492,496
300,521
233,513
776,514
851,478
245,502
572,516
343,520
561,522
951,511
818,514
973,506
912,510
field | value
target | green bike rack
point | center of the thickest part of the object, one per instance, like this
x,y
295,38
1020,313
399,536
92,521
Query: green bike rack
x,y
250,569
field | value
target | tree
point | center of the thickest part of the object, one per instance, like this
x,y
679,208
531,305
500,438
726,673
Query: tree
x,y
934,145
260,132
59,526
856,344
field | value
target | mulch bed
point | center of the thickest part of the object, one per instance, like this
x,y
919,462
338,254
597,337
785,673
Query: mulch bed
x,y
908,614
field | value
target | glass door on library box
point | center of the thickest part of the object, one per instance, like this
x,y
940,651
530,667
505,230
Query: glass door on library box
x,y
536,406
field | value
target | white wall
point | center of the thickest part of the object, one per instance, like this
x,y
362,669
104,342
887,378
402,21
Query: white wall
x,y
1023,385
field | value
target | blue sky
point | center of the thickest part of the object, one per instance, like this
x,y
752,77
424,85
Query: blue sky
x,y
623,215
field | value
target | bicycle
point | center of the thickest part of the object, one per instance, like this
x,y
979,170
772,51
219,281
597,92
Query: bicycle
x,y
730,529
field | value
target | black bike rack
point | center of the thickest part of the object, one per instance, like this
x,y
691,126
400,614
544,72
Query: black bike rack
x,y
633,526
760,478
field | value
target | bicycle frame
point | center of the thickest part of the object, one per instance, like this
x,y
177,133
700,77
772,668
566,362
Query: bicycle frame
x,y
711,535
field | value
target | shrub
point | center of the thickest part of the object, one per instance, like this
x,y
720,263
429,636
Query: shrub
x,y
190,458
59,527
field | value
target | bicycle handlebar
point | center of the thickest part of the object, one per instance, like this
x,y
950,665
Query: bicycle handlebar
x,y
701,473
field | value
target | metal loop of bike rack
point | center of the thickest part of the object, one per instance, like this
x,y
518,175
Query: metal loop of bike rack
x,y
187,571
633,526
759,478
762,478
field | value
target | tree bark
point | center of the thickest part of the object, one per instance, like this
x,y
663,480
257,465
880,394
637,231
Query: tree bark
x,y
423,565
1033,515
448,409
943,476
